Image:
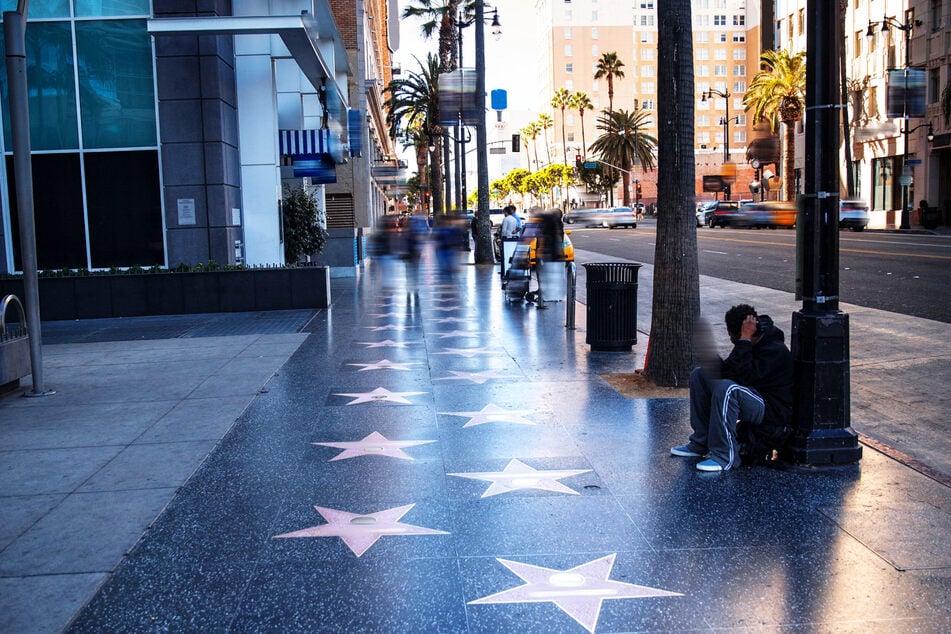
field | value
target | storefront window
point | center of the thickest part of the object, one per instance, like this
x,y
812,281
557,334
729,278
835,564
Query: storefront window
x,y
105,8
40,9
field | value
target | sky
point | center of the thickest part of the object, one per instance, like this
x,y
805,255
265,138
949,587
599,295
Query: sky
x,y
507,60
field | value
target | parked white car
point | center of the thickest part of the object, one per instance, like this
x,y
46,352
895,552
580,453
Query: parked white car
x,y
853,214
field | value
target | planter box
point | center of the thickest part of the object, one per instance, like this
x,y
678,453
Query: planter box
x,y
98,296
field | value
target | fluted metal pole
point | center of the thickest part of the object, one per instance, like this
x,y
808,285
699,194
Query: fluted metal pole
x,y
484,253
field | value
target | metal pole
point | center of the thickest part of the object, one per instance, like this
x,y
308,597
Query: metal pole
x,y
726,141
14,30
905,215
483,254
572,280
820,332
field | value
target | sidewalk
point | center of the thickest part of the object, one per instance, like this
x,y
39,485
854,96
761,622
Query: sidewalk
x,y
443,461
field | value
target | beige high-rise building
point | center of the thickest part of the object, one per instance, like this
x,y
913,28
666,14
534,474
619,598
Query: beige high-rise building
x,y
727,41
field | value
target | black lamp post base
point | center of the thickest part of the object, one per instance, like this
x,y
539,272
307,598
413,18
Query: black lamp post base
x,y
820,347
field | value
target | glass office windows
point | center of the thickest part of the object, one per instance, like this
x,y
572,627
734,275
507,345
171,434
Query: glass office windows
x,y
40,8
111,8
116,95
57,209
52,91
124,206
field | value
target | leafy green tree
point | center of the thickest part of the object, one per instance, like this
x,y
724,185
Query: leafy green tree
x,y
560,101
676,300
609,67
599,179
778,93
625,144
303,232
580,101
412,103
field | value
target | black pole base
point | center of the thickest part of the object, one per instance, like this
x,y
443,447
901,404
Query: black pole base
x,y
821,415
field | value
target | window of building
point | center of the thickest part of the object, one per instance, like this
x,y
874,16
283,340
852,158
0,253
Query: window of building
x,y
116,237
594,33
739,38
703,120
567,50
567,15
39,10
701,54
722,37
739,86
703,138
116,96
739,70
937,15
801,21
110,8
719,20
702,37
719,70
567,33
702,70
719,53
569,84
647,71
648,87
647,54
570,137
739,20
647,37
739,53
647,4
647,104
701,20
594,16
49,67
934,84
857,44
569,67
594,50
739,136
647,20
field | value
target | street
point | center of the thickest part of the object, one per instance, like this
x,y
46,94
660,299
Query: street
x,y
907,274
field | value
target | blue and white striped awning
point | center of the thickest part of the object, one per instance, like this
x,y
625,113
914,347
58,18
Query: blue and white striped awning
x,y
304,142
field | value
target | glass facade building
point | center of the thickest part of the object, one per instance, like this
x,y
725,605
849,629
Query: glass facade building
x,y
94,136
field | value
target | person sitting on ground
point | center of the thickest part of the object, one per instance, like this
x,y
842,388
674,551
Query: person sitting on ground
x,y
509,223
753,387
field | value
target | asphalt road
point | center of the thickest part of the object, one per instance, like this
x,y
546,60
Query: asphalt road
x,y
907,274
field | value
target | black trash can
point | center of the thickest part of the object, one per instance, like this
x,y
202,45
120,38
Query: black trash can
x,y
612,305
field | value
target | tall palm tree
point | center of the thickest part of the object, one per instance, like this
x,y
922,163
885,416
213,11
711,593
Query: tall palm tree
x,y
531,131
624,144
560,101
546,123
581,102
777,93
412,102
439,18
676,302
609,67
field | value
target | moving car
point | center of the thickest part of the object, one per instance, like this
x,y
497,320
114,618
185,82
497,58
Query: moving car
x,y
853,214
723,213
767,214
619,217
582,216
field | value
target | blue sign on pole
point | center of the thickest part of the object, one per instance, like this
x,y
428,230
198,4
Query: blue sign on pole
x,y
500,99
590,165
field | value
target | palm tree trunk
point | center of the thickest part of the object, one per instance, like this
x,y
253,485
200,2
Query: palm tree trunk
x,y
626,185
584,145
564,140
789,159
676,300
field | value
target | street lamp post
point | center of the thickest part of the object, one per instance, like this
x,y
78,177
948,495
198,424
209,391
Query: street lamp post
x,y
725,122
907,27
906,178
484,253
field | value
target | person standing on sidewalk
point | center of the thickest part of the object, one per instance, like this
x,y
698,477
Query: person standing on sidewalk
x,y
751,389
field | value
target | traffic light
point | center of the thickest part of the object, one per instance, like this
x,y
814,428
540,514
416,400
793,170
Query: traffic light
x,y
637,191
516,143
578,161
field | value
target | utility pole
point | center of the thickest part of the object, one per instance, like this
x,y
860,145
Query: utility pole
x,y
820,331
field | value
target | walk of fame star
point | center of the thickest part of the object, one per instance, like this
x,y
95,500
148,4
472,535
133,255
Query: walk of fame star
x,y
359,532
376,444
386,364
387,327
492,413
445,309
381,315
379,394
386,343
578,592
450,320
475,377
469,352
517,475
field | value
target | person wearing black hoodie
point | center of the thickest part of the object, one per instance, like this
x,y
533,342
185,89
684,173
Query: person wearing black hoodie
x,y
752,386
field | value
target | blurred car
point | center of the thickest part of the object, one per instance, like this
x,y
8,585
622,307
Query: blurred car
x,y
767,214
723,213
532,229
705,213
496,216
853,214
582,216
619,217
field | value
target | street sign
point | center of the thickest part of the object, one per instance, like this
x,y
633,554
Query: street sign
x,y
590,165
904,181
913,162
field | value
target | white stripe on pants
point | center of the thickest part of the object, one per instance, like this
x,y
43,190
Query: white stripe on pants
x,y
715,406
